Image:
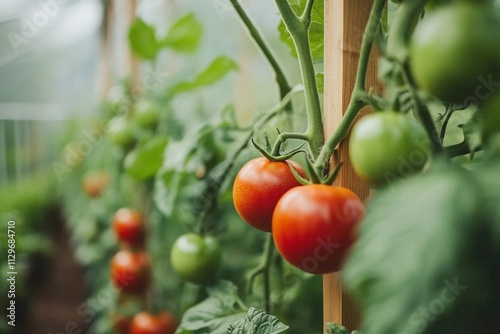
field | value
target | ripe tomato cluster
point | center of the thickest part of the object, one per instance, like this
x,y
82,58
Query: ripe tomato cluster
x,y
130,273
313,226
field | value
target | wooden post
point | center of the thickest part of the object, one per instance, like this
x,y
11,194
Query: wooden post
x,y
345,21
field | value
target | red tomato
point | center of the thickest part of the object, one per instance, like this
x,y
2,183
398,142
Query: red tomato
x,y
121,324
258,187
146,323
315,225
129,226
94,183
130,271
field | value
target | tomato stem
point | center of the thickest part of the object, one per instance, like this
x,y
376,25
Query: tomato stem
x,y
401,28
359,94
284,86
422,112
298,27
215,184
264,269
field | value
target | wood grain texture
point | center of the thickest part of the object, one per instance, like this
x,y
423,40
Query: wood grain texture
x,y
345,21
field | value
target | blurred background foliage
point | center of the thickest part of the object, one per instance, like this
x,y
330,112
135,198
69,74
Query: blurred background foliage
x,y
66,71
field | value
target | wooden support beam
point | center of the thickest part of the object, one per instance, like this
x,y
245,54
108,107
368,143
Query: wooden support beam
x,y
345,21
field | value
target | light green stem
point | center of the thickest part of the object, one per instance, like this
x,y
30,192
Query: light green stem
x,y
359,93
298,28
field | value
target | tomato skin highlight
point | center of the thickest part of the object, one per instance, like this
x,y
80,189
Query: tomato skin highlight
x,y
130,271
315,225
146,323
196,258
128,226
385,146
259,185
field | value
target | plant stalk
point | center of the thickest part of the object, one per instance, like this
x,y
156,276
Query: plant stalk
x,y
298,28
359,93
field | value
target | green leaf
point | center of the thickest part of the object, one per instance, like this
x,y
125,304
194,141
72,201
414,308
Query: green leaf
x,y
184,35
333,328
215,313
180,191
426,260
216,71
144,161
257,322
316,30
320,79
142,39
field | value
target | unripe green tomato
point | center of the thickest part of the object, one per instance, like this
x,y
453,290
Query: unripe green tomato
x,y
385,146
196,258
455,54
146,114
121,131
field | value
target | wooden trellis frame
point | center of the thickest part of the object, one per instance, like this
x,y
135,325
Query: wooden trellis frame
x,y
345,21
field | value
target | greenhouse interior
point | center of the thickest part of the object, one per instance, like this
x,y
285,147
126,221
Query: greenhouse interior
x,y
250,167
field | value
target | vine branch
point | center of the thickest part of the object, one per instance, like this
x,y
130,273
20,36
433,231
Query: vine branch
x,y
298,27
284,86
359,94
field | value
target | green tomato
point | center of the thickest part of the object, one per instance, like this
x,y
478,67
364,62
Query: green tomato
x,y
385,146
196,258
121,131
146,114
455,54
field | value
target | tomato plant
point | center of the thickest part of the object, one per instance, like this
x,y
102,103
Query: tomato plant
x,y
130,271
128,225
386,145
147,323
181,172
259,185
196,258
315,225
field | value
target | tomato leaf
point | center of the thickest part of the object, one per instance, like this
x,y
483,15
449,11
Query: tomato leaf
x,y
316,30
423,260
142,39
214,314
184,35
144,162
216,71
320,79
184,183
333,328
257,322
